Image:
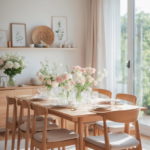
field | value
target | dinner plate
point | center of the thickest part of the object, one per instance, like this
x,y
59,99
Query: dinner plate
x,y
61,105
104,107
40,98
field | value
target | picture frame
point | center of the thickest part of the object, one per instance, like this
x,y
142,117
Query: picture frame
x,y
60,23
3,38
3,78
18,35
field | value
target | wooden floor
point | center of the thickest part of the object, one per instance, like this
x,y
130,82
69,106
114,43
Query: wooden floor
x,y
145,141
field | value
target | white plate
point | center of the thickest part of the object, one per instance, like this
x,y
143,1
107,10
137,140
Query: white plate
x,y
62,105
40,97
104,107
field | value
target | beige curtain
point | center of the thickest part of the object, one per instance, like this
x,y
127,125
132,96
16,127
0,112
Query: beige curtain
x,y
95,42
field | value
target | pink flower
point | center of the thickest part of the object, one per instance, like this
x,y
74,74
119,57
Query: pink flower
x,y
59,79
90,79
65,77
1,62
82,81
75,68
92,70
72,82
83,70
95,83
49,82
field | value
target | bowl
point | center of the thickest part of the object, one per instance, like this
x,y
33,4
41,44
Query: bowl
x,y
38,45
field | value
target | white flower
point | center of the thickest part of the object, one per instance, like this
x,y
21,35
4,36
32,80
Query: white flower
x,y
49,82
54,84
41,77
16,65
67,87
10,64
69,76
38,74
24,65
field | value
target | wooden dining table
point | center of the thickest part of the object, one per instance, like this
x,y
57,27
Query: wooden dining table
x,y
80,115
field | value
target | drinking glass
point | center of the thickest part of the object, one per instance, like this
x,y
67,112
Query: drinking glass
x,y
42,91
94,94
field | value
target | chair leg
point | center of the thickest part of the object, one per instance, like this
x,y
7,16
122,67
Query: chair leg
x,y
6,137
76,127
27,143
31,147
83,145
13,137
58,148
100,132
77,144
19,139
86,130
95,130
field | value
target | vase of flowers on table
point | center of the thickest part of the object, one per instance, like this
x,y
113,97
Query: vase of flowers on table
x,y
66,83
47,74
83,79
12,64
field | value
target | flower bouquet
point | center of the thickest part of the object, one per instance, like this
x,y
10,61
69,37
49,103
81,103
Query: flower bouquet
x,y
13,64
65,82
48,74
83,79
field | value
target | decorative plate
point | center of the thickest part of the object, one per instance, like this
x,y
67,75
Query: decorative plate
x,y
43,33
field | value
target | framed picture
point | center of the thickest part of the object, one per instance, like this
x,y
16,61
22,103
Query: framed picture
x,y
3,79
3,38
59,27
18,35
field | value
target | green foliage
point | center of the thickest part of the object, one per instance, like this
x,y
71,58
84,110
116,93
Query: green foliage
x,y
13,72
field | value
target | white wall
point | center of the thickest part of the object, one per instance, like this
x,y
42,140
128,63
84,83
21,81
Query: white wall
x,y
39,12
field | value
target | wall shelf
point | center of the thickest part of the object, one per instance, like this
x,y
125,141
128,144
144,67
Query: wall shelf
x,y
35,48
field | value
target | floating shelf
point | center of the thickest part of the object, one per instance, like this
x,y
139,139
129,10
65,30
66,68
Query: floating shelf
x,y
35,48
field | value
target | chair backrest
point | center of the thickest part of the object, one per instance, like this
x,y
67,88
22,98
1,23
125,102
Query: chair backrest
x,y
122,116
104,92
25,105
127,97
40,110
11,101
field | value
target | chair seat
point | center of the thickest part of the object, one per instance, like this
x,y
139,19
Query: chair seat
x,y
117,141
39,126
56,135
38,118
113,126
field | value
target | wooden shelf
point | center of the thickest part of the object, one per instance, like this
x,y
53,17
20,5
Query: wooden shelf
x,y
35,48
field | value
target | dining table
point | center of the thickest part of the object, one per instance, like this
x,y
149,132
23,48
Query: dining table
x,y
80,115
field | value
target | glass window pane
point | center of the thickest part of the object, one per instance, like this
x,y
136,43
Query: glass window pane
x,y
122,54
142,57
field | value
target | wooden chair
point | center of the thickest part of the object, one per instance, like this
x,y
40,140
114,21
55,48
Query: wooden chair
x,y
50,139
11,123
103,92
25,129
117,127
118,140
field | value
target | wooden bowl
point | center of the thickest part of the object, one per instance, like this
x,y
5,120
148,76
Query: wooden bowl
x,y
43,33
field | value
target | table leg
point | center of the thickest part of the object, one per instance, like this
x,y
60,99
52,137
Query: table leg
x,y
80,131
63,126
127,129
62,123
